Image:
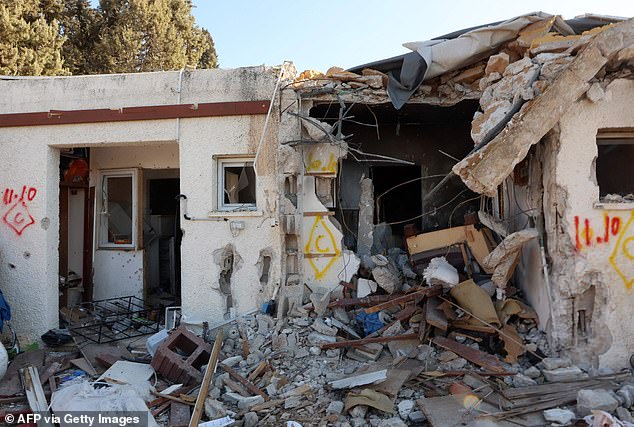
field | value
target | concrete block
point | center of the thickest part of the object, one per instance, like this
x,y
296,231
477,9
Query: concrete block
x,y
563,374
599,399
552,363
181,356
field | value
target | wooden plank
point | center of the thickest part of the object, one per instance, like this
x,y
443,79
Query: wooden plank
x,y
433,315
480,358
234,386
35,394
415,297
204,387
362,341
448,237
151,112
163,407
250,386
179,415
360,302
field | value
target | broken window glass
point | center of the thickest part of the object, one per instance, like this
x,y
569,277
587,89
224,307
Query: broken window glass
x,y
238,185
117,209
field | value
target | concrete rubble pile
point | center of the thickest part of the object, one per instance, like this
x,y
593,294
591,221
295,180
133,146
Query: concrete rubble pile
x,y
413,339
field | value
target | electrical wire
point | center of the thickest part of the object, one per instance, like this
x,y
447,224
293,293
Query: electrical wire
x,y
429,213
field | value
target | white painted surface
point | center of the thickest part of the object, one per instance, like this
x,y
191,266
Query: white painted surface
x,y
613,334
28,156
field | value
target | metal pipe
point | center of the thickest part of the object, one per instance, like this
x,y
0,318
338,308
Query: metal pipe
x,y
268,116
183,199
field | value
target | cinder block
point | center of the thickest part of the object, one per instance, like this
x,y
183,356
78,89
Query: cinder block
x,y
180,357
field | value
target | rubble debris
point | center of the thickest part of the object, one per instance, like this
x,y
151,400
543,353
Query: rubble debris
x,y
357,380
476,301
559,416
503,259
597,399
175,367
478,357
369,397
440,272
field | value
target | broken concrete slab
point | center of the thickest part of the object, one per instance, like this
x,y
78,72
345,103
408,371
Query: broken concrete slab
x,y
503,259
485,169
563,374
362,379
559,416
598,400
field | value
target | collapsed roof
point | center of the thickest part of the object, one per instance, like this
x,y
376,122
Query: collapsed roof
x,y
526,73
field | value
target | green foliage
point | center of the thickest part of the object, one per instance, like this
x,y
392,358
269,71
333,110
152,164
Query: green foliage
x,y
29,43
56,37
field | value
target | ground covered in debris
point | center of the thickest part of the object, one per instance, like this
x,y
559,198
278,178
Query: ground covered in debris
x,y
419,355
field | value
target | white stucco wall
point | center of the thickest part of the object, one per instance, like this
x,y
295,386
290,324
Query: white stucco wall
x,y
29,156
579,263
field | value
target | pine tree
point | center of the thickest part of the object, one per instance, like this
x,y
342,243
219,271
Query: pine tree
x,y
56,37
150,35
30,39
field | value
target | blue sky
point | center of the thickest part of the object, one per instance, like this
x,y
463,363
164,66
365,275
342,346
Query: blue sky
x,y
345,33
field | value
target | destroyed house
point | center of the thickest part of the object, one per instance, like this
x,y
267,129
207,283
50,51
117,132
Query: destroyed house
x,y
494,156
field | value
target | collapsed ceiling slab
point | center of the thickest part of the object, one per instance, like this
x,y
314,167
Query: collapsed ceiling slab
x,y
486,168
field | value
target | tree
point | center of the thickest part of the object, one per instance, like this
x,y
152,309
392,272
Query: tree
x,y
56,37
29,43
150,35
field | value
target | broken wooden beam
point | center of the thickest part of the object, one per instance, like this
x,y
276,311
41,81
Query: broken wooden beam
x,y
360,302
480,358
414,297
204,387
362,341
249,385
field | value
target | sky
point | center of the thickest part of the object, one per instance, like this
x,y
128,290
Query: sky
x,y
320,34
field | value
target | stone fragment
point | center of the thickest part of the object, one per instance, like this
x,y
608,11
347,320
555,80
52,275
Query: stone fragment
x,y
392,422
214,409
624,415
595,93
335,407
426,352
405,407
232,361
417,417
386,278
315,351
322,328
315,338
598,399
532,372
563,374
320,302
242,402
251,419
358,411
292,402
551,363
365,287
559,416
520,380
497,63
341,315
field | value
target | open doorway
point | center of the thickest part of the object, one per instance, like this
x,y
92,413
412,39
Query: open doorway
x,y
162,236
76,214
397,196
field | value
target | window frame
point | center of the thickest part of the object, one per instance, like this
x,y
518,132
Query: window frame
x,y
234,161
611,136
102,240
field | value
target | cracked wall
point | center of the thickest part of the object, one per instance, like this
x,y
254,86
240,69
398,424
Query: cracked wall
x,y
588,241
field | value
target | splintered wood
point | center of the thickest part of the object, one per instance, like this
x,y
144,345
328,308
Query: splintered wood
x,y
480,358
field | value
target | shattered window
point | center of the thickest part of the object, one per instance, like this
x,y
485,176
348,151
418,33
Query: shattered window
x,y
614,159
117,210
237,186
